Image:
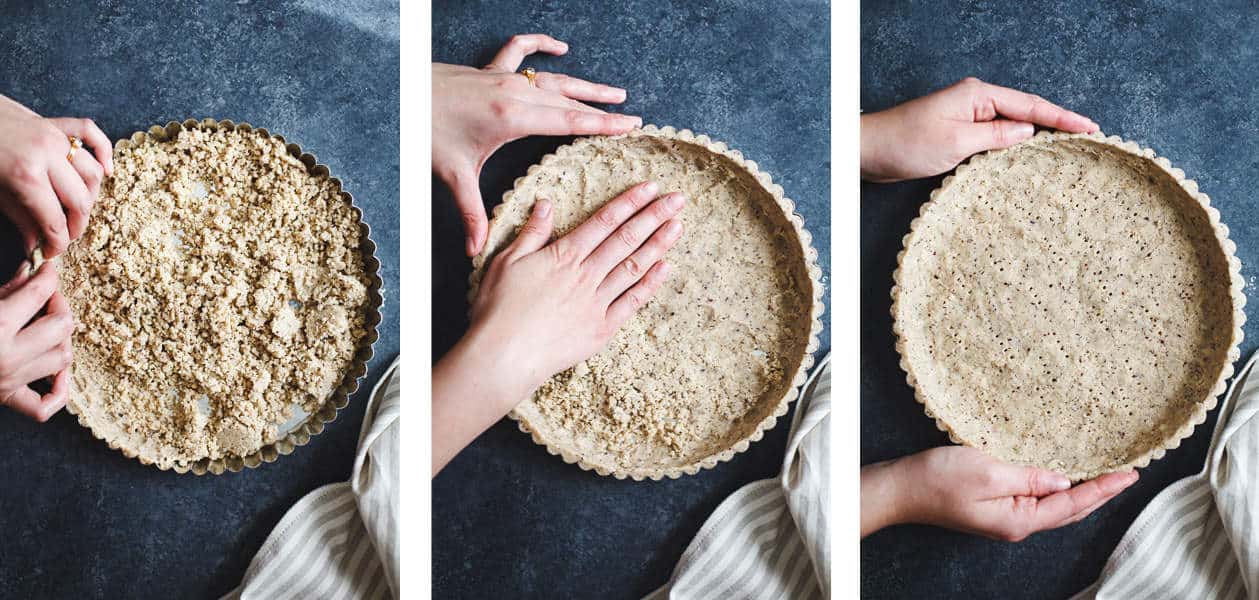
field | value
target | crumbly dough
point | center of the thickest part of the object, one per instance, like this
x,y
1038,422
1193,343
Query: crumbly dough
x,y
714,352
219,286
1066,305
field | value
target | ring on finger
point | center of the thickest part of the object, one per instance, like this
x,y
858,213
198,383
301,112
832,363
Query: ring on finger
x,y
75,145
531,74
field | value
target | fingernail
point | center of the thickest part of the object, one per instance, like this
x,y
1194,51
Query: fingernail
x,y
650,188
470,248
1024,130
673,228
621,94
542,208
1061,483
674,201
629,121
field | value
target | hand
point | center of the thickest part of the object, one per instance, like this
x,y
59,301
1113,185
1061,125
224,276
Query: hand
x,y
962,488
544,306
33,347
46,196
931,135
476,111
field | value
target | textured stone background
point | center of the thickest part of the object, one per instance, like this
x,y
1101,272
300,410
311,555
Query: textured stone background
x,y
80,520
1174,77
510,520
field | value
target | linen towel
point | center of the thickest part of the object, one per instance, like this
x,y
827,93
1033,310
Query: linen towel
x,y
1198,538
771,538
341,540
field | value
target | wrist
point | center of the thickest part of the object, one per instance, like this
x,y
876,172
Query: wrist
x,y
504,362
885,499
874,138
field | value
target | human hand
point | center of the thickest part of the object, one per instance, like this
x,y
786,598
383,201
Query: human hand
x,y
45,195
477,111
932,134
33,347
554,305
962,488
544,306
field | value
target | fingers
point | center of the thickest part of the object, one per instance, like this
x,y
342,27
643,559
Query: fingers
x,y
580,89
23,303
629,237
44,209
50,362
1014,480
580,242
991,135
636,297
466,188
1058,509
535,233
520,46
92,175
91,135
28,402
74,195
992,100
49,334
632,269
562,121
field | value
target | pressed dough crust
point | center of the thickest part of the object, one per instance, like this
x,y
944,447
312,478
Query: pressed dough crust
x,y
707,362
219,287
1068,303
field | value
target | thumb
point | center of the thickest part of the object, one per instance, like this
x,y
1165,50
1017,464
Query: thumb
x,y
466,187
536,231
993,135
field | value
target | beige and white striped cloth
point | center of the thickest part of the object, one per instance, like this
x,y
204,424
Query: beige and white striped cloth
x,y
1198,538
341,540
771,538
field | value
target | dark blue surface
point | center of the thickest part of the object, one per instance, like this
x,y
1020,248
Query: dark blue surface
x,y
510,520
81,520
1173,76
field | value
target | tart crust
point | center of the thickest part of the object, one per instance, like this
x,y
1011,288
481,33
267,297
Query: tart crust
x,y
1040,331
614,413
319,411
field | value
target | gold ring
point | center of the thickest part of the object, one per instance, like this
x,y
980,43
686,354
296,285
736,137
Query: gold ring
x,y
75,144
531,75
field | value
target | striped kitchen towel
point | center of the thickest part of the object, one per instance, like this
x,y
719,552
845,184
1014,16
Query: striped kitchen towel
x,y
341,540
771,538
1199,538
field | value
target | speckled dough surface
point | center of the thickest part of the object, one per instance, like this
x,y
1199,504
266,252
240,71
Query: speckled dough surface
x,y
219,287
715,352
1066,303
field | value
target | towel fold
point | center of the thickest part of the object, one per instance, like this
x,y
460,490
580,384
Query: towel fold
x,y
1199,538
771,538
341,540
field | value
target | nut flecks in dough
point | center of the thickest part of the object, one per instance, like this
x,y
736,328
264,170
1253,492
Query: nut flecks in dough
x,y
713,354
203,289
1065,304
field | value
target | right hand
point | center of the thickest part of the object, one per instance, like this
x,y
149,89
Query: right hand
x,y
33,347
554,304
47,197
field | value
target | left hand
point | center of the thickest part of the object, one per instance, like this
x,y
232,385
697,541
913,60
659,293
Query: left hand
x,y
477,111
931,135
